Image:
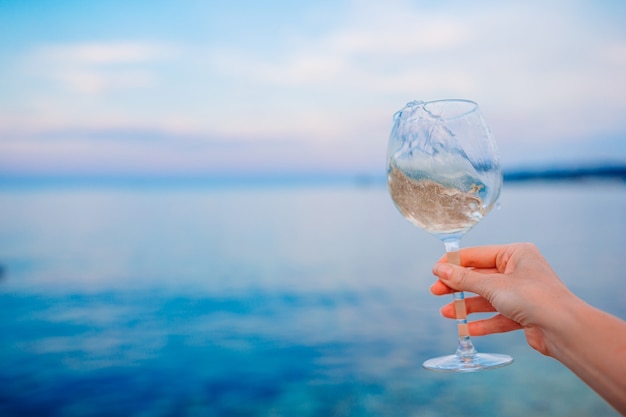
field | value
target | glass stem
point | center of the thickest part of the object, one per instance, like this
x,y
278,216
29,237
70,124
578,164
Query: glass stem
x,y
465,348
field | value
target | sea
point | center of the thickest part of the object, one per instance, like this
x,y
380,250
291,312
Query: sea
x,y
275,299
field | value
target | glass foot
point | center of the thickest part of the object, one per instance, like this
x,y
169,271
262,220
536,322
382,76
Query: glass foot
x,y
472,363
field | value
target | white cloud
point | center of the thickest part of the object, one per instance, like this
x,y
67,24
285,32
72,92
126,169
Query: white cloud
x,y
539,63
372,52
410,34
94,68
99,53
93,81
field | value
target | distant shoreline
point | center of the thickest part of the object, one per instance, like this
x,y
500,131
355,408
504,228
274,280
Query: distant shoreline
x,y
8,181
565,174
562,174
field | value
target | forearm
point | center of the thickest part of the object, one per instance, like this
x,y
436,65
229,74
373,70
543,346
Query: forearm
x,y
592,344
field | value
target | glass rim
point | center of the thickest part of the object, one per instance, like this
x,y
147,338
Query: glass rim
x,y
426,104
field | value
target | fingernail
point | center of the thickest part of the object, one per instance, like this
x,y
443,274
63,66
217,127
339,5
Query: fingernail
x,y
443,270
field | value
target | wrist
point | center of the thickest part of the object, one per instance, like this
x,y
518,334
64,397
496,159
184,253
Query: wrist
x,y
565,326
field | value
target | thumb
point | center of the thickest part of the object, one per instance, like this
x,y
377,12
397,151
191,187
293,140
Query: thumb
x,y
459,278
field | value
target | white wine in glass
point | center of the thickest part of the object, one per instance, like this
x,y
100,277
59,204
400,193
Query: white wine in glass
x,y
444,176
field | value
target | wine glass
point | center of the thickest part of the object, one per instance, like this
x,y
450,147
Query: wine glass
x,y
444,176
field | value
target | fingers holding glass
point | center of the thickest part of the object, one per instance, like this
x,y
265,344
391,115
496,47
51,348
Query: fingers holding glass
x,y
496,324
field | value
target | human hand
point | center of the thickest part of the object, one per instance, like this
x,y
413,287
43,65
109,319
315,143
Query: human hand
x,y
518,283
513,280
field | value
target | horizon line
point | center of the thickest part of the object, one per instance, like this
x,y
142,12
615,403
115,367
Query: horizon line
x,y
9,180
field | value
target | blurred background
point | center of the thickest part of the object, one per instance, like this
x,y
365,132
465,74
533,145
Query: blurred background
x,y
193,211
214,88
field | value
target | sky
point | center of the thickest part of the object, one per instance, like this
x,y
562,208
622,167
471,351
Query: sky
x,y
206,87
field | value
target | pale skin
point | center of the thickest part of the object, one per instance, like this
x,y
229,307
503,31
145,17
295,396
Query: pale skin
x,y
516,282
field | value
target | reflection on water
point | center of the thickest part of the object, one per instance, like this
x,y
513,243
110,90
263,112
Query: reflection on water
x,y
273,301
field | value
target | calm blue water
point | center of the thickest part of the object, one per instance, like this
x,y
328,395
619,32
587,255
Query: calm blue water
x,y
278,301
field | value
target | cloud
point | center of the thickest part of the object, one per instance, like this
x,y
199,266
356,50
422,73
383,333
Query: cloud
x,y
545,76
154,152
106,52
95,68
373,51
94,81
541,71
